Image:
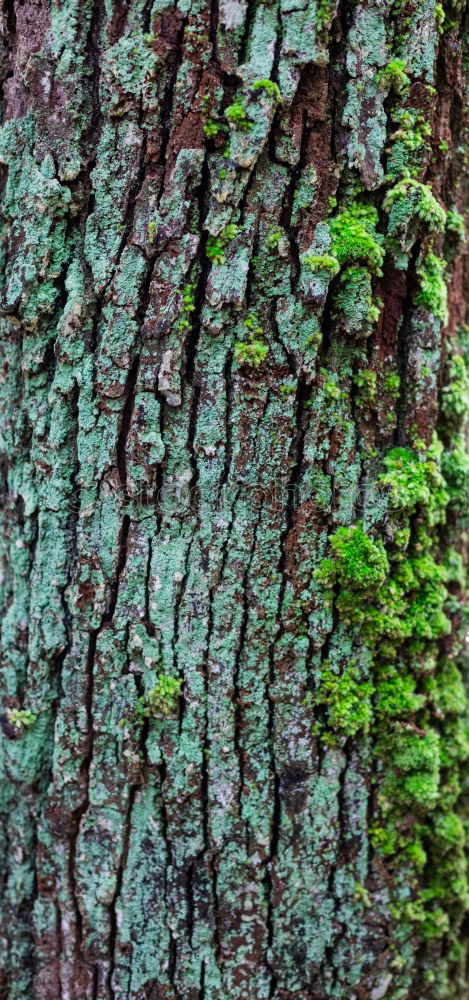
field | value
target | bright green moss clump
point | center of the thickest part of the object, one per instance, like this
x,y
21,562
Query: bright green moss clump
x,y
20,718
355,238
212,128
455,395
411,481
270,88
396,695
323,262
357,562
365,383
348,702
357,249
237,116
188,307
252,350
162,699
413,780
215,249
394,76
250,353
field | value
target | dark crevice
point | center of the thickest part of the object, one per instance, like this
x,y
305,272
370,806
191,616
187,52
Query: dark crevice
x,y
402,350
113,931
292,488
167,102
250,13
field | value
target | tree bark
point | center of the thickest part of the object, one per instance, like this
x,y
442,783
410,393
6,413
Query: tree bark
x,y
234,397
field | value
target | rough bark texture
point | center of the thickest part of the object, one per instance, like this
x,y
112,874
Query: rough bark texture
x,y
235,485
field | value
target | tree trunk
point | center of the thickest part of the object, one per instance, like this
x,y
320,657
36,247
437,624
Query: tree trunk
x,y
234,727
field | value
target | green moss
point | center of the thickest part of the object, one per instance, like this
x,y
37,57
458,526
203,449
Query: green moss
x,y
414,778
324,14
396,695
414,481
446,691
432,293
273,237
20,718
322,262
212,128
448,831
418,700
408,143
439,17
252,353
355,237
394,76
215,249
236,115
365,382
409,198
358,562
188,299
348,702
252,350
357,248
455,232
392,385
270,88
359,312
455,394
162,700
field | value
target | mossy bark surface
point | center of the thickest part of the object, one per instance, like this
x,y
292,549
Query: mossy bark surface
x,y
233,402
